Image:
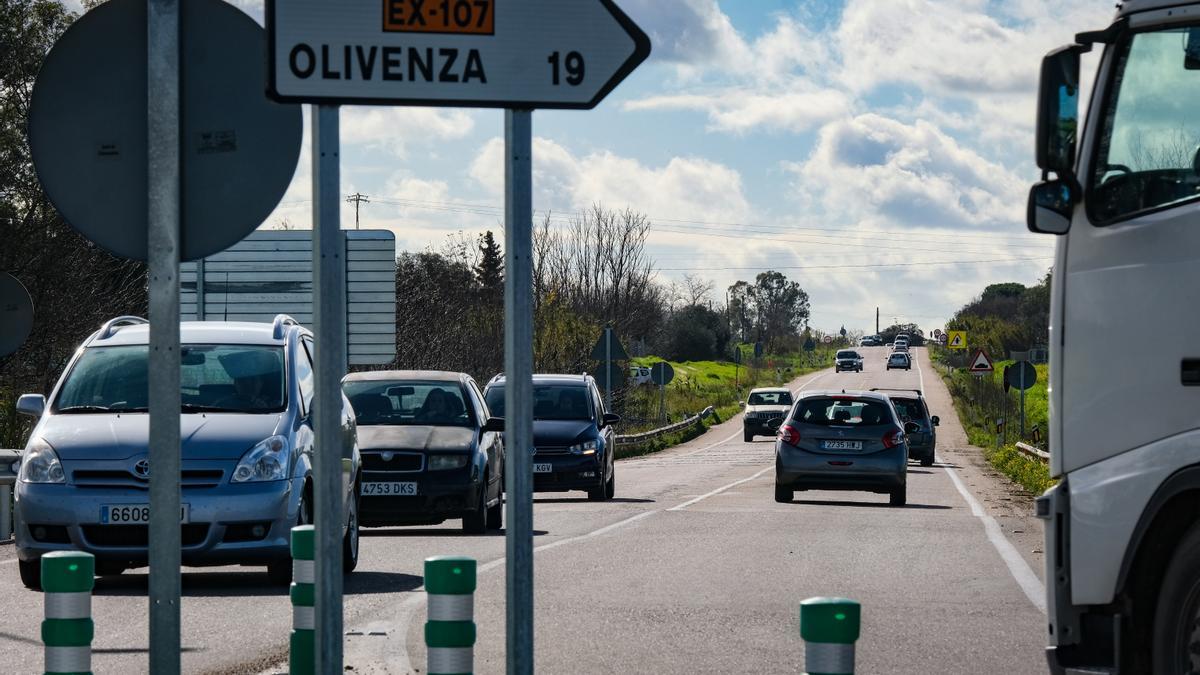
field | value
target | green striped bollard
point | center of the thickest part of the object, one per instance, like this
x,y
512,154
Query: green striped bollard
x,y
450,628
304,600
829,627
67,580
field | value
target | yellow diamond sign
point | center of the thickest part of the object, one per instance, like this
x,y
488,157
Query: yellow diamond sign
x,y
956,339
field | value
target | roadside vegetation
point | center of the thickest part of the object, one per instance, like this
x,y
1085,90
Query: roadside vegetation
x,y
1005,318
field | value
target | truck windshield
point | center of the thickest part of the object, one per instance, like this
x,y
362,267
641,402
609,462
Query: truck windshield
x,y
1147,157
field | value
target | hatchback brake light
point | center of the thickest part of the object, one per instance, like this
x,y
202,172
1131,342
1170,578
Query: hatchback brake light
x,y
789,434
893,438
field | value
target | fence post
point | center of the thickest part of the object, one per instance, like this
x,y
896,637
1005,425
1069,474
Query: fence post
x,y
67,631
450,626
829,628
303,592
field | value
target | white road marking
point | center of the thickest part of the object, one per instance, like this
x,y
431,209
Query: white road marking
x,y
1022,573
718,490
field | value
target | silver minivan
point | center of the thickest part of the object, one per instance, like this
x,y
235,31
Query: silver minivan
x,y
247,450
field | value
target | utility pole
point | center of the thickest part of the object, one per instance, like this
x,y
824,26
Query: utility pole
x,y
877,321
357,199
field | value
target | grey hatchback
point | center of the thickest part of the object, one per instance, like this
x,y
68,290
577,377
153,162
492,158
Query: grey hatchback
x,y
247,450
842,441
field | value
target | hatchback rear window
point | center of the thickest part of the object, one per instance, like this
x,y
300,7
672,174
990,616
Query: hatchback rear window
x,y
842,412
909,409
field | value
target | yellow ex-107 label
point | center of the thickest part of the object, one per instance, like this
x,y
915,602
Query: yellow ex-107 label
x,y
464,17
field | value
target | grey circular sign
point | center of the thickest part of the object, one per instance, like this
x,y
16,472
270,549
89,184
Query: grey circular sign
x,y
88,128
16,314
662,373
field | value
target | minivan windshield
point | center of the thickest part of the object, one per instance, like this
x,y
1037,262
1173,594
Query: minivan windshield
x,y
397,402
1146,154
842,412
213,378
769,398
550,402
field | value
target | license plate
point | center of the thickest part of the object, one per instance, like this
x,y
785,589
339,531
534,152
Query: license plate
x,y
843,445
389,489
543,468
133,514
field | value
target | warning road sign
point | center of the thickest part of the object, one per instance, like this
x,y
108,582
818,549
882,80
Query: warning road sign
x,y
956,339
980,363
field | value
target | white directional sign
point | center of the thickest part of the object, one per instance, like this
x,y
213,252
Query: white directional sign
x,y
486,53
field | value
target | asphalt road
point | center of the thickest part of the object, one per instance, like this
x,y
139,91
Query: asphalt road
x,y
692,568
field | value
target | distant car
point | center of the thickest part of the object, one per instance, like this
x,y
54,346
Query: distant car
x,y
910,406
573,435
902,336
431,450
898,360
762,406
901,347
847,359
246,450
639,375
842,441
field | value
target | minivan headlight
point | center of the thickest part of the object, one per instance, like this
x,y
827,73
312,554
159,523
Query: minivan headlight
x,y
585,448
445,462
268,460
40,464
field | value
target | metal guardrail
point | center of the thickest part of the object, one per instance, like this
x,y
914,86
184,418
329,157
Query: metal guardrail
x,y
1032,452
635,439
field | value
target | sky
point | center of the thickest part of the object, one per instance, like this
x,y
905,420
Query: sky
x,y
878,152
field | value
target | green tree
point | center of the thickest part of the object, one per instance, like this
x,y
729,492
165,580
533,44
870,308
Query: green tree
x,y
489,270
783,307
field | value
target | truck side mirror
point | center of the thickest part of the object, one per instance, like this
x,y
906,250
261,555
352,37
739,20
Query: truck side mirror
x,y
1051,204
1058,110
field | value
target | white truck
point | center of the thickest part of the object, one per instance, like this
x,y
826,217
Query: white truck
x,y
1123,524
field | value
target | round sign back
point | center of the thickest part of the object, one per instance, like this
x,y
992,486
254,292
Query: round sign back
x,y
88,128
662,373
16,314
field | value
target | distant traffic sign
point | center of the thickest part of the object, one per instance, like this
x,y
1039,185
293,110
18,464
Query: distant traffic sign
x,y
1020,375
956,339
609,347
827,339
610,377
89,134
16,314
485,53
980,363
662,373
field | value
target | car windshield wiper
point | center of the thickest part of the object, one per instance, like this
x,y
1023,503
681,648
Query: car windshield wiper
x,y
196,408
77,409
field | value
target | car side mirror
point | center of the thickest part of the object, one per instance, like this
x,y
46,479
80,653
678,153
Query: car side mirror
x,y
774,423
911,427
31,404
611,419
494,424
935,420
1058,110
1051,204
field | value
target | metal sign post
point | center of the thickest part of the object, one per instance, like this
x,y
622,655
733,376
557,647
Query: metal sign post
x,y
518,391
329,320
163,251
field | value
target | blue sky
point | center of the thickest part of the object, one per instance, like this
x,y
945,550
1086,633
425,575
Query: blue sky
x,y
857,146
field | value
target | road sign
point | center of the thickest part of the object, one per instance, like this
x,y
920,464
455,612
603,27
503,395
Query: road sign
x,y
613,374
270,273
484,53
758,350
737,354
16,314
89,129
980,363
956,339
608,347
1020,375
662,373
827,339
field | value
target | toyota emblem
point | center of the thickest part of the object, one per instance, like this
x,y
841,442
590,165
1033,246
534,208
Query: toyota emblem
x,y
142,468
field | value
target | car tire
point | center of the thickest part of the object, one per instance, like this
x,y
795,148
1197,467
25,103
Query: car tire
x,y
610,488
350,540
31,573
109,568
899,496
495,515
783,494
927,460
747,436
1176,628
476,521
279,572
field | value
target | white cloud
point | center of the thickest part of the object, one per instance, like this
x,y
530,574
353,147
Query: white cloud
x,y
396,128
688,33
741,112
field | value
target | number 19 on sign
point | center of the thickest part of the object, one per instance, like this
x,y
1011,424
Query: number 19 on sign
x,y
573,64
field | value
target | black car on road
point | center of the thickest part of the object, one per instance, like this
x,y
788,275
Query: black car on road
x,y
431,451
573,435
910,406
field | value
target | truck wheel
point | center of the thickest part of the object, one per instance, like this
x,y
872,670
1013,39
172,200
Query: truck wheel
x,y
31,573
1176,641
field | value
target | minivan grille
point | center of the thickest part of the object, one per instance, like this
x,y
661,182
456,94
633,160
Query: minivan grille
x,y
137,536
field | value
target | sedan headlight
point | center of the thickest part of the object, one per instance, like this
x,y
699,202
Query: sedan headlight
x,y
40,464
445,462
266,461
586,448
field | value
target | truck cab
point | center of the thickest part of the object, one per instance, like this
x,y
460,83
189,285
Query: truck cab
x,y
1122,194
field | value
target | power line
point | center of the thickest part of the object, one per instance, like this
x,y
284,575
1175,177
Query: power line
x,y
358,199
846,267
